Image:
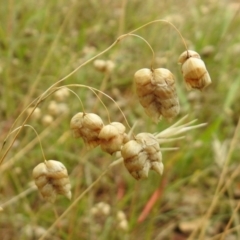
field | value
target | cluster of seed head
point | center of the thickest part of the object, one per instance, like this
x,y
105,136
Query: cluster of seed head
x,y
87,126
194,70
90,127
156,87
140,153
51,178
157,93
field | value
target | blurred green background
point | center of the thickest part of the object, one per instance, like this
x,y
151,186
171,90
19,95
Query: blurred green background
x,y
43,41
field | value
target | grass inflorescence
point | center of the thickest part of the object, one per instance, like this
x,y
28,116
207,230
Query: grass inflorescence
x,y
56,66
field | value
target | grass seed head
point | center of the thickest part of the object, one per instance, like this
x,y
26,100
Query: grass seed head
x,y
157,93
141,155
194,70
87,126
112,137
51,178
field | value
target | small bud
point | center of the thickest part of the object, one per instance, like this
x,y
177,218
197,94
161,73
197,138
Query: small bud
x,y
194,70
104,66
53,108
122,221
51,178
56,109
62,108
112,137
110,65
121,215
101,208
47,120
61,94
141,155
100,65
36,114
87,126
123,225
157,93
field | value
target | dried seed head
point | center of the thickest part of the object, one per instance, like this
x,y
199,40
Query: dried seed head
x,y
141,155
194,70
51,178
87,126
157,93
112,137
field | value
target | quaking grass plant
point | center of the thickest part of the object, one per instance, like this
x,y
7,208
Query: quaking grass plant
x,y
140,152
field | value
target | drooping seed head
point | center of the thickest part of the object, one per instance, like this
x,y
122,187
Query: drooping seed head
x,y
142,154
87,126
194,70
157,93
51,178
112,137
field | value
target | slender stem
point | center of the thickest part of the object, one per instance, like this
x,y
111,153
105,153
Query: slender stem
x,y
109,118
92,88
19,196
164,21
234,214
70,90
80,197
153,54
26,125
112,45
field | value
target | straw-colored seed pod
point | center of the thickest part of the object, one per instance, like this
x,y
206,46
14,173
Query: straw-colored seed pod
x,y
51,178
194,70
112,137
157,93
141,155
87,126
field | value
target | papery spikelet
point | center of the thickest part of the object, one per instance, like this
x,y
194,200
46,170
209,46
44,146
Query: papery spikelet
x,y
157,93
141,155
112,137
87,126
51,178
194,70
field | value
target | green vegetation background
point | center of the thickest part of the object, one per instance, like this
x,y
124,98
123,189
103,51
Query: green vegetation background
x,y
42,41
